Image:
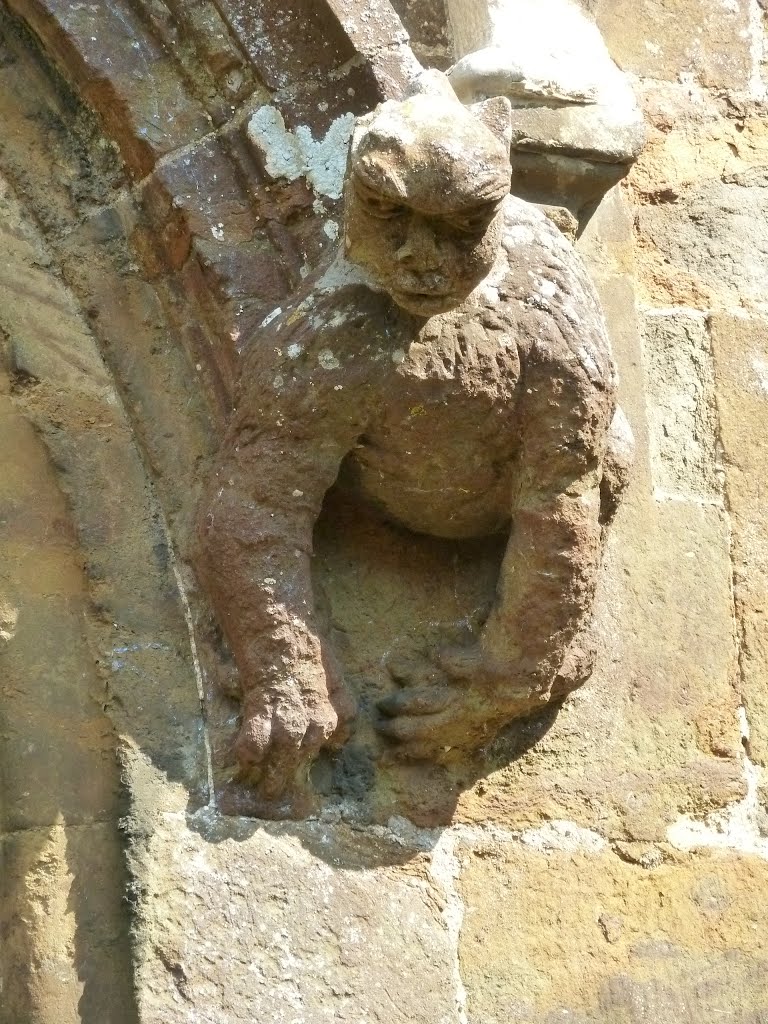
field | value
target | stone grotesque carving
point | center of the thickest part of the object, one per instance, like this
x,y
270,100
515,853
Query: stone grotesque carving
x,y
450,368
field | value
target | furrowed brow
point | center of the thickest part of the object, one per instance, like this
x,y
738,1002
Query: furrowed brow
x,y
490,190
379,185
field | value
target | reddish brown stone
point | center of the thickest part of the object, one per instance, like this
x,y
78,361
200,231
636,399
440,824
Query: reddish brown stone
x,y
121,70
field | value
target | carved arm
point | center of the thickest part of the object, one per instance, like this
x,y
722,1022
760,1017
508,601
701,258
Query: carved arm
x,y
547,579
255,533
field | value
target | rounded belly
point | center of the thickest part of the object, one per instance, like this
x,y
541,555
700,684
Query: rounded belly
x,y
454,498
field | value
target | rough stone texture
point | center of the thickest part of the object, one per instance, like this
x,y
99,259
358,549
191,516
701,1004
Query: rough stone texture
x,y
602,940
61,385
698,185
63,929
682,418
62,950
667,38
718,238
241,921
701,256
426,22
740,346
646,933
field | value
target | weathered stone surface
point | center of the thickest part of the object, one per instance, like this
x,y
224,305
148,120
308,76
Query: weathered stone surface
x,y
64,933
57,742
302,42
427,25
698,184
207,215
682,418
64,944
741,372
242,921
662,38
566,934
133,82
718,237
141,668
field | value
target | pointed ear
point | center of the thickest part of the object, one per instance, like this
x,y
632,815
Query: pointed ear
x,y
362,124
431,83
496,115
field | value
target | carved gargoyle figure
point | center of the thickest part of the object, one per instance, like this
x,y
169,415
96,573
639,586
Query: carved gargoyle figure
x,y
450,366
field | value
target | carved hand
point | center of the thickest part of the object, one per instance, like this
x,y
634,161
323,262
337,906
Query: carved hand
x,y
460,700
286,723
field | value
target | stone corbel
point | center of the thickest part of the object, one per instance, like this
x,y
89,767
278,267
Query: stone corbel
x,y
577,125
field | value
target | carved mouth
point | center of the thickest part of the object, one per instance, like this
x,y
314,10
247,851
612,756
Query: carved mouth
x,y
425,299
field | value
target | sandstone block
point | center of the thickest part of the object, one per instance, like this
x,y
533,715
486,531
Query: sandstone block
x,y
681,407
125,73
65,953
715,238
741,374
663,38
568,935
243,921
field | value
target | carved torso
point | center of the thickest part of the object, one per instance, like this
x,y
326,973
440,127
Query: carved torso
x,y
428,408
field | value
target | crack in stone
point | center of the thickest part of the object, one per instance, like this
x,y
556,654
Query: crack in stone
x,y
444,870
195,661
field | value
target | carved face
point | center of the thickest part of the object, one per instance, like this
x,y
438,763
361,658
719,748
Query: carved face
x,y
423,194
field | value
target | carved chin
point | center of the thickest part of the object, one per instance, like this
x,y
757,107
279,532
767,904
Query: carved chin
x,y
426,303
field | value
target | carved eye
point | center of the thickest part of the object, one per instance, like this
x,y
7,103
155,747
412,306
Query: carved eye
x,y
383,208
377,205
474,222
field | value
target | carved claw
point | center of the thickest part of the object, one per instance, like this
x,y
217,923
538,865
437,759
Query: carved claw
x,y
461,701
282,732
464,722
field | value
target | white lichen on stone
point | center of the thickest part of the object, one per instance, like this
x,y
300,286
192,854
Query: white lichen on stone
x,y
297,154
328,360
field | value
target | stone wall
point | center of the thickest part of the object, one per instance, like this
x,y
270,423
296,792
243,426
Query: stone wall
x,y
608,864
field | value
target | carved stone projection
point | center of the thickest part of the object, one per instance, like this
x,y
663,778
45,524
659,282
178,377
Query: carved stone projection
x,y
450,371
577,125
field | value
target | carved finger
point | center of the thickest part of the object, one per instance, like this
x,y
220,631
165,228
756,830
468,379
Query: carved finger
x,y
406,729
284,759
254,738
459,662
345,707
410,670
323,726
422,701
316,737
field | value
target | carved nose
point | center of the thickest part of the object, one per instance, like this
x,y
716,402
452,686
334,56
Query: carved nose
x,y
420,249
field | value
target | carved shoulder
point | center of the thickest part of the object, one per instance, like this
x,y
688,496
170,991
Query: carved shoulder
x,y
325,354
546,292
